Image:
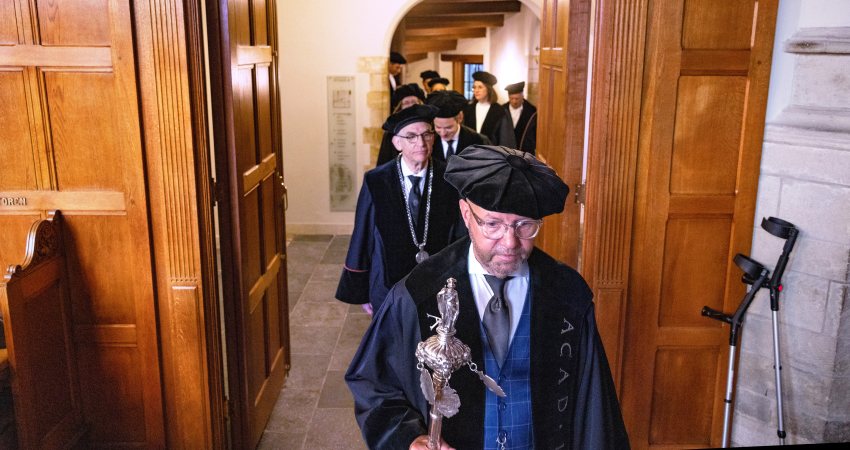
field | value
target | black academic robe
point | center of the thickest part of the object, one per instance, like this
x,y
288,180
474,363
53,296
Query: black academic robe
x,y
525,130
497,124
574,404
391,90
387,152
381,251
465,138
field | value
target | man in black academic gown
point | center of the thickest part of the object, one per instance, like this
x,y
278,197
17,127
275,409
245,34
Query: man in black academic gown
x,y
438,84
527,318
404,97
485,115
394,67
427,76
452,136
405,212
523,115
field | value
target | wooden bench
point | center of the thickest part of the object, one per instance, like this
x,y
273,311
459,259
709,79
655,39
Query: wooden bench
x,y
42,372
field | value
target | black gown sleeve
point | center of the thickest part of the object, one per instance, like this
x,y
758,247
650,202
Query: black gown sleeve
x,y
353,284
598,421
505,130
388,402
387,152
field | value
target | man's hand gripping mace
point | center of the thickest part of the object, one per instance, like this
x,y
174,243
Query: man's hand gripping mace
x,y
443,354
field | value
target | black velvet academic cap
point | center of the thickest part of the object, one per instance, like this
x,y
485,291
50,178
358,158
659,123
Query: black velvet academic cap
x,y
429,74
515,88
437,80
396,58
485,77
403,118
406,90
505,180
451,103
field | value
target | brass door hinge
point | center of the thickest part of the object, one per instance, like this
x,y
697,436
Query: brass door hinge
x,y
581,194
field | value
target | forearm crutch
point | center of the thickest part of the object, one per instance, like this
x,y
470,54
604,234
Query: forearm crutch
x,y
783,230
756,275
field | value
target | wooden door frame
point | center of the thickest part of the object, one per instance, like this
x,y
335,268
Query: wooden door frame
x,y
203,122
458,64
564,48
615,103
223,142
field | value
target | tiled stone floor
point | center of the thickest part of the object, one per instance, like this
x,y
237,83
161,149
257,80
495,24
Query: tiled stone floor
x,y
315,409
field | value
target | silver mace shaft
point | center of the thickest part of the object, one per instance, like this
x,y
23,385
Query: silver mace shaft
x,y
435,428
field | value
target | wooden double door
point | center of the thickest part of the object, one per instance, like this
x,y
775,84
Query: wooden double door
x,y
107,116
677,96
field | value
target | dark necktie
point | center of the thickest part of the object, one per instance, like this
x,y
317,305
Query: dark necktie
x,y
497,319
451,150
413,198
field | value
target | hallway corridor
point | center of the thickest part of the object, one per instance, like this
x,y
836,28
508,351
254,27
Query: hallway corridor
x,y
315,409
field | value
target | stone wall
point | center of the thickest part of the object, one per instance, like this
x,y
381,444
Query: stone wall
x,y
805,179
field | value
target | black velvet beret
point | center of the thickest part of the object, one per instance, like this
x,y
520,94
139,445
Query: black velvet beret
x,y
403,118
425,74
438,80
505,180
515,88
451,103
485,77
396,58
407,90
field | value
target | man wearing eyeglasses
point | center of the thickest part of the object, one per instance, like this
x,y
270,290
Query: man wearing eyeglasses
x,y
527,318
452,135
406,211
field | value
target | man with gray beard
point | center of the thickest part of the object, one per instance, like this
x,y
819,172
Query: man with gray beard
x,y
527,318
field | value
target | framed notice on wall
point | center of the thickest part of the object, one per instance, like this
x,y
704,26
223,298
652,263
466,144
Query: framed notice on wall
x,y
342,149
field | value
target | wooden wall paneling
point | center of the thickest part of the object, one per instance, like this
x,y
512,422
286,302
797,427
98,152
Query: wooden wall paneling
x,y
84,144
565,30
612,154
701,127
167,101
16,140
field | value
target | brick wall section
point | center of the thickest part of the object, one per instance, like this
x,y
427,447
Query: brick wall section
x,y
378,100
805,179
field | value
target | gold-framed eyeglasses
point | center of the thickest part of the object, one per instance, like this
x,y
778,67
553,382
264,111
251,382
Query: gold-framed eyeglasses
x,y
496,229
414,138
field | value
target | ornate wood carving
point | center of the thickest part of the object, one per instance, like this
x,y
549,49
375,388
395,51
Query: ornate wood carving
x,y
35,306
43,242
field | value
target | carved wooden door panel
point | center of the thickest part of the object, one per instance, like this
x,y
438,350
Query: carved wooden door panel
x,y
249,164
70,140
707,67
563,82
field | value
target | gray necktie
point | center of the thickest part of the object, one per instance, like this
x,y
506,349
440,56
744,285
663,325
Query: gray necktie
x,y
451,150
413,198
497,319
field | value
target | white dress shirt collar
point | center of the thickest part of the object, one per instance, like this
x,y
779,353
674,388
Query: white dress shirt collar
x,y
516,289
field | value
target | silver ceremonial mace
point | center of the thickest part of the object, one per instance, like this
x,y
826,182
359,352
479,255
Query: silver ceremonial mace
x,y
443,354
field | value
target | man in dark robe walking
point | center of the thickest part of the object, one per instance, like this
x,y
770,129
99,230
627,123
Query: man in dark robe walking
x,y
523,116
543,348
405,212
452,135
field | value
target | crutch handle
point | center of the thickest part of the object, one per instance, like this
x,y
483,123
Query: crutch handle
x,y
752,268
778,227
716,315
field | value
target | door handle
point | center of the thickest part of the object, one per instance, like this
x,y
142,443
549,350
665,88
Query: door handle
x,y
285,192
